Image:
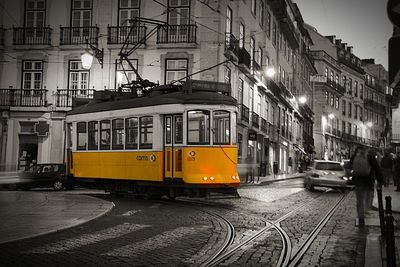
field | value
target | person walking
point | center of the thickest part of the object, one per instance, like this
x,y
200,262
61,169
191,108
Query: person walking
x,y
387,168
365,171
396,173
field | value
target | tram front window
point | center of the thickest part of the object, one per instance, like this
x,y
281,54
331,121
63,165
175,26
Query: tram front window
x,y
221,127
198,127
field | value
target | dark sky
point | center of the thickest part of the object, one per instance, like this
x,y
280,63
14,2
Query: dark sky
x,y
363,24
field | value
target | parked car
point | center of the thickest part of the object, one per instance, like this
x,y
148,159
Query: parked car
x,y
328,174
44,175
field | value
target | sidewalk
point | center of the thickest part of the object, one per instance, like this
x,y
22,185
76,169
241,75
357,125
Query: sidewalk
x,y
261,180
22,213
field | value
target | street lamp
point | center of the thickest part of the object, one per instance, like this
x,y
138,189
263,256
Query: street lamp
x,y
302,99
331,116
87,57
270,71
369,124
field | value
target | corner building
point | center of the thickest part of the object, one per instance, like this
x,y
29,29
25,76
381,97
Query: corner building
x,y
41,74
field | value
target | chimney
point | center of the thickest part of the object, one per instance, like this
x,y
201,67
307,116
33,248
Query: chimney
x,y
338,42
331,38
344,46
350,49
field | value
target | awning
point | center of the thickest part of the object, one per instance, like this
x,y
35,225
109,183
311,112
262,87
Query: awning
x,y
299,148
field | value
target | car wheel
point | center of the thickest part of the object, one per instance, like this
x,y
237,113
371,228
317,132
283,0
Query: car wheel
x,y
58,185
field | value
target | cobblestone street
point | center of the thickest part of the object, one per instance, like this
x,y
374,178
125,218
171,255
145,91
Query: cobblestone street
x,y
188,232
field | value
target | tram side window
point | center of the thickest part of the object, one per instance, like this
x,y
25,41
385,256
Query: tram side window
x,y
178,130
198,127
93,135
146,132
118,134
131,129
105,135
81,135
221,127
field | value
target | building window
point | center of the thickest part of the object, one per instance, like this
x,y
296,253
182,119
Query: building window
x,y
127,10
32,76
81,136
327,97
35,16
242,32
131,129
78,78
105,135
251,98
227,75
118,133
228,21
253,7
93,135
268,29
81,14
240,92
344,107
361,91
332,100
350,86
260,56
179,12
221,127
350,109
261,10
252,49
355,88
146,132
198,127
337,103
176,69
274,33
124,74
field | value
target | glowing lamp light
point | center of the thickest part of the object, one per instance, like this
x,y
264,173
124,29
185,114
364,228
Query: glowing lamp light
x,y
87,60
270,72
369,124
302,99
331,116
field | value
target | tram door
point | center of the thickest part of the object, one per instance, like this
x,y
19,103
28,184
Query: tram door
x,y
173,141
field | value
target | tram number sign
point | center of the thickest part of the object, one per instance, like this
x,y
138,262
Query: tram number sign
x,y
142,158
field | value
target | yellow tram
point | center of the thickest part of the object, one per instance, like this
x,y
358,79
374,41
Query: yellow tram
x,y
174,140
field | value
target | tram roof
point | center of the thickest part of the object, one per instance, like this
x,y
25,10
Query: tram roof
x,y
162,95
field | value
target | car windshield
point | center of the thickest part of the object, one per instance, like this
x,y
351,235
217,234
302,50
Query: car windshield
x,y
328,166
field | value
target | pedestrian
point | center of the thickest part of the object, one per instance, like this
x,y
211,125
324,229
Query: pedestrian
x,y
365,171
396,173
387,168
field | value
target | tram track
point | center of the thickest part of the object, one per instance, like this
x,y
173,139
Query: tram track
x,y
228,252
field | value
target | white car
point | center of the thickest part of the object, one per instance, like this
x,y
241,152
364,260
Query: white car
x,y
328,174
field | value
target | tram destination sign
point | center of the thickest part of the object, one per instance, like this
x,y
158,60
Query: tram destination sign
x,y
208,86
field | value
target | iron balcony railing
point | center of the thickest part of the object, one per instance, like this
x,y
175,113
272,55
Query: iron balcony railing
x,y
23,97
79,35
244,58
374,105
2,31
264,125
231,44
131,34
175,34
66,97
32,36
244,113
255,120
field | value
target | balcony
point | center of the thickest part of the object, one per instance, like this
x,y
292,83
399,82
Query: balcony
x,y
79,35
23,98
32,36
175,34
231,46
255,120
373,105
244,59
350,64
256,66
333,85
289,31
244,113
279,7
120,34
264,126
2,31
66,97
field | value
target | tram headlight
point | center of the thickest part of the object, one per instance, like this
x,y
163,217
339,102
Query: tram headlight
x,y
205,178
212,178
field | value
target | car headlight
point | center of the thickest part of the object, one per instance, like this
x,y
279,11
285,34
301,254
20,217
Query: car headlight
x,y
347,178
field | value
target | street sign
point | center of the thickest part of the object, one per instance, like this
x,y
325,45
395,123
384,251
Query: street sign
x,y
393,10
